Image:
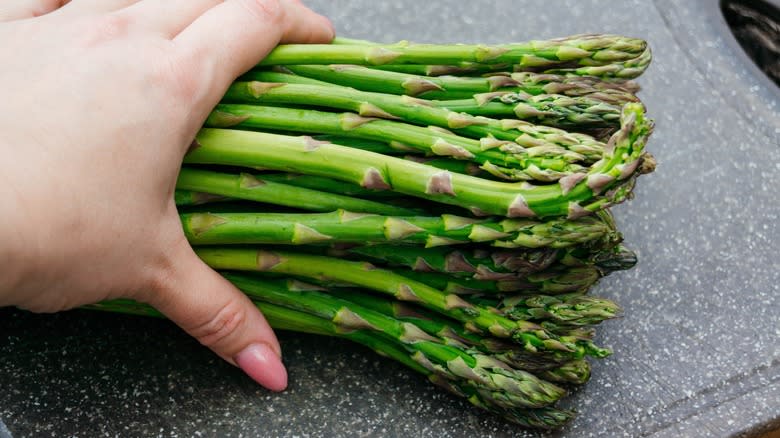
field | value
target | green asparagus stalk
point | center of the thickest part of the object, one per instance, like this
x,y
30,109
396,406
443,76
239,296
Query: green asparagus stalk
x,y
546,418
546,109
607,259
421,112
629,69
576,372
366,275
466,262
565,309
552,281
329,185
581,53
624,69
598,109
283,318
482,263
347,227
455,87
553,367
607,182
545,161
503,159
451,333
520,388
256,188
184,198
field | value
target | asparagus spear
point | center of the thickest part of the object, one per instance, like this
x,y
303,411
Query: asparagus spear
x,y
283,318
552,281
366,275
584,52
565,309
256,188
504,159
422,112
465,262
329,185
624,69
546,109
184,198
520,388
456,87
546,418
561,369
575,372
608,182
568,110
504,267
620,70
347,227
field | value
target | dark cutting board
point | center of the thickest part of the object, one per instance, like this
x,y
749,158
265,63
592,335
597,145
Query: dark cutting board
x,y
696,351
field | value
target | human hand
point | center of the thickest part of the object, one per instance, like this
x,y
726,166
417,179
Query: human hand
x,y
101,100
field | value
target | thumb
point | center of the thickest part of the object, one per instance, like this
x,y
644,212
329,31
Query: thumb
x,y
221,317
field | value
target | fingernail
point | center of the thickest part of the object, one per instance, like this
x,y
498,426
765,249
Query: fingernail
x,y
332,29
263,365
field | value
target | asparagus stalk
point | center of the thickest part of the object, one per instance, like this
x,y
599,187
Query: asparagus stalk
x,y
458,262
607,182
591,111
283,318
545,418
544,161
329,185
552,281
576,372
503,159
518,388
624,69
546,109
456,87
184,198
347,227
421,112
565,309
553,368
620,70
257,188
607,258
366,275
583,52
482,264
451,333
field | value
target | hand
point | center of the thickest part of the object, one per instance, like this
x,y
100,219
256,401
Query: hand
x,y
100,101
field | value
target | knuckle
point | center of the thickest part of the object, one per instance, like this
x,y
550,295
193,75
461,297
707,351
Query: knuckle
x,y
266,10
221,325
106,28
177,73
179,77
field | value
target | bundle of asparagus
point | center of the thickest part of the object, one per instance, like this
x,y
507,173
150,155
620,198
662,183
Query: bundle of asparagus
x,y
444,205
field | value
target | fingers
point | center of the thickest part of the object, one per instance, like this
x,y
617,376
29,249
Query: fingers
x,y
78,7
21,9
222,318
167,17
230,38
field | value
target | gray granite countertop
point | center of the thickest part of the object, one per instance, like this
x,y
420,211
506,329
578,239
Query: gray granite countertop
x,y
697,351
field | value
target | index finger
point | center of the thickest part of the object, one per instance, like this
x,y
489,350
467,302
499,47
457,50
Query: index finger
x,y
230,38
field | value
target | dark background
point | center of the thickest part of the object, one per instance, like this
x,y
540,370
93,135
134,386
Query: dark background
x,y
696,351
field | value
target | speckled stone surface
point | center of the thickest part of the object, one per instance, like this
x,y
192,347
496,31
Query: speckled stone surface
x,y
697,352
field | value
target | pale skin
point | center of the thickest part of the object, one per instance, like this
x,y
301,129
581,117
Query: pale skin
x,y
100,101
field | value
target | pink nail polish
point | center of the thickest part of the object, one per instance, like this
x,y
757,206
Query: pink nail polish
x,y
263,365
